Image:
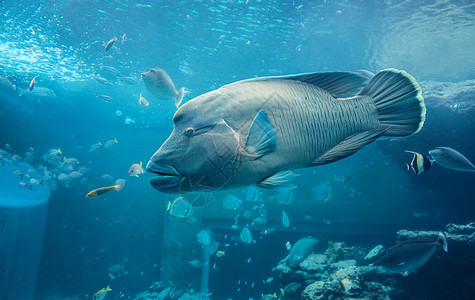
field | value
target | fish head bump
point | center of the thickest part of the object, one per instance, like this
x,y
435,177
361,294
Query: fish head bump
x,y
200,153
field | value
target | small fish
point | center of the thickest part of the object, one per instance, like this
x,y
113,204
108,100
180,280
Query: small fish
x,y
204,238
99,295
110,143
105,97
269,296
25,185
136,169
32,83
75,174
119,184
451,159
95,146
419,163
143,101
180,208
267,231
288,246
107,177
246,236
196,263
408,256
220,253
346,285
110,43
285,220
159,83
51,153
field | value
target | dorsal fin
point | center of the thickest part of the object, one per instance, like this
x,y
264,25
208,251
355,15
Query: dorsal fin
x,y
339,84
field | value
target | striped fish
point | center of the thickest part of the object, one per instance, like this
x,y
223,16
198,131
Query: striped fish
x,y
256,131
419,163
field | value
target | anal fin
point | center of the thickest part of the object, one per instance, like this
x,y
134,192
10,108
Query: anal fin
x,y
279,181
349,146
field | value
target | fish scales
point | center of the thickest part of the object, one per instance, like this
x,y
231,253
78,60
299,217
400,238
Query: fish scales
x,y
290,114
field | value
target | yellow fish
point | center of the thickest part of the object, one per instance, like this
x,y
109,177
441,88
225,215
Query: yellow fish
x,y
110,43
101,293
119,184
136,169
143,101
220,253
32,83
346,285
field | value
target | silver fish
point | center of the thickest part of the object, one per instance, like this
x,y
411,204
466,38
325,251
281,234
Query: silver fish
x,y
408,256
451,159
255,131
301,250
159,83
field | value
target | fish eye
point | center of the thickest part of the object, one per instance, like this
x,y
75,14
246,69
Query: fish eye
x,y
189,131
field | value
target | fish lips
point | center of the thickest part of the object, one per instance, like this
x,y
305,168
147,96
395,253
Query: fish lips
x,y
167,179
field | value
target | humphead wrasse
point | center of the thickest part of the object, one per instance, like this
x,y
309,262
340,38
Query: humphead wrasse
x,y
254,132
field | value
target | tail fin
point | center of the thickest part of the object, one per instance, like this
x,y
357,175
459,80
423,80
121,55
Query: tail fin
x,y
120,184
179,97
398,101
442,242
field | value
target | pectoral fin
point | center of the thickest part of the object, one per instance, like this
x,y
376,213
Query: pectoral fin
x,y
279,181
262,137
349,146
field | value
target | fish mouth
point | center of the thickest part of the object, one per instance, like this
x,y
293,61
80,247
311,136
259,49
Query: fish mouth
x,y
167,179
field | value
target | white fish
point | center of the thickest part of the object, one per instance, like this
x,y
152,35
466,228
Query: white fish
x,y
451,159
180,208
288,246
159,83
260,129
246,236
285,220
204,238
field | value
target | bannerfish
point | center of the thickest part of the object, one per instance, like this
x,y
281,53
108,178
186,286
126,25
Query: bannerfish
x,y
180,208
110,43
419,163
99,295
451,159
408,256
253,132
32,83
301,250
136,170
159,83
119,184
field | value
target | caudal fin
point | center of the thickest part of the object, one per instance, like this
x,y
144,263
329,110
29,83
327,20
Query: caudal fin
x,y
398,100
179,97
442,242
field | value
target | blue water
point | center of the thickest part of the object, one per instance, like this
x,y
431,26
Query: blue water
x,y
204,45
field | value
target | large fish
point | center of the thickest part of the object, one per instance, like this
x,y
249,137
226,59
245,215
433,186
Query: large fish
x,y
301,250
255,131
451,159
408,256
159,83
